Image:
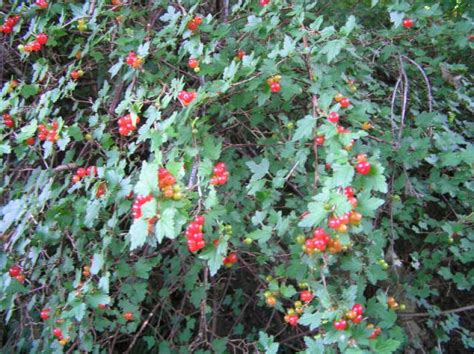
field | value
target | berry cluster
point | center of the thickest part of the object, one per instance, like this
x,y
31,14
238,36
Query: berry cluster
x,y
221,175
134,60
375,333
274,83
318,242
42,4
77,74
127,124
355,314
50,134
344,102
44,314
82,172
194,64
8,120
194,23
186,97
230,259
10,22
15,272
35,46
194,235
137,205
270,298
363,166
167,184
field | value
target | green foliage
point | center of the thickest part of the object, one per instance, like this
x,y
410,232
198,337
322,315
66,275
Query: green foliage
x,y
87,256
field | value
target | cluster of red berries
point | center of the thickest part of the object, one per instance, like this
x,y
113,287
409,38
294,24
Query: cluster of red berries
x,y
375,333
240,55
167,184
127,125
264,2
82,172
42,4
15,272
354,315
230,259
344,102
319,241
292,319
194,23
77,74
194,64
274,83
220,174
8,120
10,22
339,223
350,194
363,166
194,235
134,60
35,46
50,134
186,97
101,189
137,205
44,314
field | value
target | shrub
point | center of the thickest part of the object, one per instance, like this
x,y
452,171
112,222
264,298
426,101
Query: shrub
x,y
236,176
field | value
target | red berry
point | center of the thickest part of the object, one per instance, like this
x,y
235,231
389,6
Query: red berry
x,y
14,271
319,140
42,4
349,192
241,54
102,306
358,309
264,2
293,320
232,258
363,168
30,141
44,314
333,117
340,325
193,63
306,296
408,22
275,87
81,172
57,332
42,38
128,316
345,102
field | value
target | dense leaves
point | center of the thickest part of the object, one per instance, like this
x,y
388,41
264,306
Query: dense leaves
x,y
277,176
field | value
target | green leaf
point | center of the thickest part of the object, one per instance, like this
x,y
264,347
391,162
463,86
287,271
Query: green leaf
x,y
28,91
97,263
333,48
314,346
258,170
138,233
27,131
267,343
94,300
165,226
316,215
343,175
313,320
148,180
385,346
304,128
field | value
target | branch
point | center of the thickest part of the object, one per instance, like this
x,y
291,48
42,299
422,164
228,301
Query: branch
x,y
426,314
